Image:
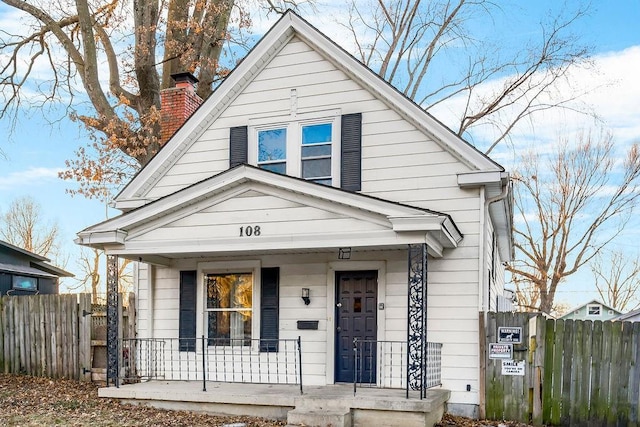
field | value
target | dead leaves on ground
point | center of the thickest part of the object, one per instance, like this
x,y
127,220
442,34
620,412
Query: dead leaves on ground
x,y
453,421
32,401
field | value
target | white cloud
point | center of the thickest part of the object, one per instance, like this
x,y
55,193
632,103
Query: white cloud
x,y
610,89
33,176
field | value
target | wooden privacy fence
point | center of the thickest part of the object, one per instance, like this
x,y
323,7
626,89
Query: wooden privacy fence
x,y
575,372
46,335
57,336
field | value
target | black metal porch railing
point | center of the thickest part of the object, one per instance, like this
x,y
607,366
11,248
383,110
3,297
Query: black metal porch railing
x,y
227,360
383,364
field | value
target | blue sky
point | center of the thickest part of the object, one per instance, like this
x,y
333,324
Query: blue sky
x,y
35,150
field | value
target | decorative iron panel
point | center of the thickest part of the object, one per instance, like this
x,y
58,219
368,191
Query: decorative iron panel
x,y
112,320
417,318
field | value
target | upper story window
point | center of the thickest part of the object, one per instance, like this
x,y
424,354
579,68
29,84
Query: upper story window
x,y
316,152
304,145
594,310
272,149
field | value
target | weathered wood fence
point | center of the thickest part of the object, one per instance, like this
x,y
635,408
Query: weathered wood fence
x,y
46,335
57,336
583,373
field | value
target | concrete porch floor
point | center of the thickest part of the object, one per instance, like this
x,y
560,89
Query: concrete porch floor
x,y
320,406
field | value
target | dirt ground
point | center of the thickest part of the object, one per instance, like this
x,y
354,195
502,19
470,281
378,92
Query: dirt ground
x,y
31,401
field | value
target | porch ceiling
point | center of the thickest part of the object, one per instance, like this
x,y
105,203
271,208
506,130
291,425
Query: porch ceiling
x,y
166,258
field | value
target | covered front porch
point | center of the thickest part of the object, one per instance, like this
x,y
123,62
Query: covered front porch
x,y
249,268
334,405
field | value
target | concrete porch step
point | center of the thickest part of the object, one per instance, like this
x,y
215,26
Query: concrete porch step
x,y
319,417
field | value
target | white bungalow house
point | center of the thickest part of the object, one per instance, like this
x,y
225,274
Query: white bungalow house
x,y
309,198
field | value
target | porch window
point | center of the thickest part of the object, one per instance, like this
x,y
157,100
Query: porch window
x,y
229,308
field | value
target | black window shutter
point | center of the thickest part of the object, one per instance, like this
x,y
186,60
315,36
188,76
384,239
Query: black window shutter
x,y
351,152
238,146
187,328
269,305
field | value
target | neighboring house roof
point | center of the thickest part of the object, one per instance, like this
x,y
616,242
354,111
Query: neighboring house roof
x,y
19,250
39,265
52,269
488,172
570,312
629,315
384,220
23,269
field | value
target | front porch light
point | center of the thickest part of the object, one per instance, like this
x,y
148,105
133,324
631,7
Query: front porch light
x,y
344,253
305,296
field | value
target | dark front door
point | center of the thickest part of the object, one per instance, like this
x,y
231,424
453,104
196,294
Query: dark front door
x,y
356,317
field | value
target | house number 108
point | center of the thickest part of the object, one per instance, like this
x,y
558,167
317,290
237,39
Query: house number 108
x,y
248,231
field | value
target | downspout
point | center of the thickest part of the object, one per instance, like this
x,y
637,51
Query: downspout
x,y
481,251
503,195
483,334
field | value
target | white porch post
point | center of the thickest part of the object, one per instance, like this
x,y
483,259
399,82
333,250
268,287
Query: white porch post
x,y
417,318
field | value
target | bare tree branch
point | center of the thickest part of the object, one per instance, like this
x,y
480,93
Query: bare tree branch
x,y
72,39
404,41
617,280
570,205
22,225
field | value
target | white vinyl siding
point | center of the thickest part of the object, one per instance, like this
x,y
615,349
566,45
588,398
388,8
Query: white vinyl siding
x,y
399,163
394,152
276,217
452,315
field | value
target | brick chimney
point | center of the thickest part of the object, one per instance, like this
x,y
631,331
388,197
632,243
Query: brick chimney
x,y
177,104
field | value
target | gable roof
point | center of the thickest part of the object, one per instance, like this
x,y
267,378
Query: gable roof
x,y
573,310
290,25
390,223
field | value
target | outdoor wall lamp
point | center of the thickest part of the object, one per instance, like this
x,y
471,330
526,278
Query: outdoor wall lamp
x,y
305,296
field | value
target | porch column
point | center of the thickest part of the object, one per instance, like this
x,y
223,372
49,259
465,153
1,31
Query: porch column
x,y
417,318
112,320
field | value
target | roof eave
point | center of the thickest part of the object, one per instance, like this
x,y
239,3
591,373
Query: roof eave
x,y
100,239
